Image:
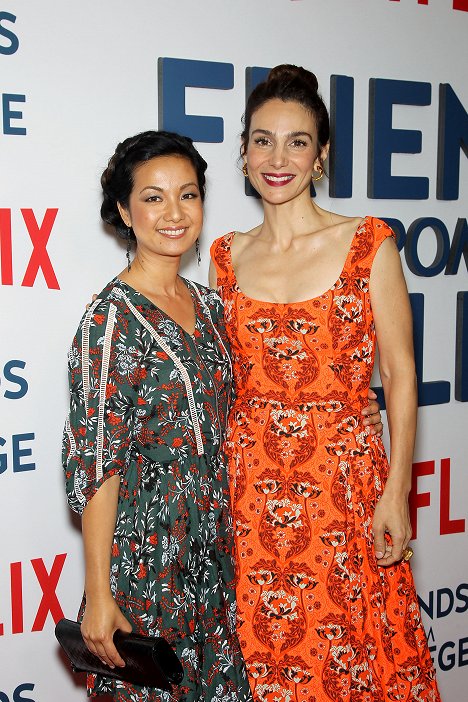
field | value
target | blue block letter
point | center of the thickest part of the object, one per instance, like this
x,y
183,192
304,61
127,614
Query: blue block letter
x,y
411,247
435,392
385,141
341,136
461,354
453,136
19,453
12,38
9,114
177,74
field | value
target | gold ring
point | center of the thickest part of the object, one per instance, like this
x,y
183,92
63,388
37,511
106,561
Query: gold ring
x,y
407,553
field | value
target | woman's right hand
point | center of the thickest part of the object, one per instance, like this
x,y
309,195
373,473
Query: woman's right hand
x,y
92,300
101,620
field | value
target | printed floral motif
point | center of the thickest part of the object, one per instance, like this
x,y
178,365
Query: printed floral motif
x,y
319,621
172,568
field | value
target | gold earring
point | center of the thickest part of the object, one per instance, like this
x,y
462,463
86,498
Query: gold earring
x,y
319,170
245,170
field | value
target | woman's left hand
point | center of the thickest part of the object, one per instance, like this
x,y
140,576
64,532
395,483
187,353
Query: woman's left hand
x,y
373,420
391,517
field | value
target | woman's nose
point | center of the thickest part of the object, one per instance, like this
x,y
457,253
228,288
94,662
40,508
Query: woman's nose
x,y
173,212
278,156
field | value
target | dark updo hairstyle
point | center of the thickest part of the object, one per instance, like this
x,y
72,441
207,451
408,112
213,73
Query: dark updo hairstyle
x,y
290,84
117,179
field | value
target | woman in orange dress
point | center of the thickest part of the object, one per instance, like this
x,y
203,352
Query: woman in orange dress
x,y
327,605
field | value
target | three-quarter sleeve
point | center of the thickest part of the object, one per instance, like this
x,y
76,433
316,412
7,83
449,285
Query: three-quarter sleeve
x,y
98,431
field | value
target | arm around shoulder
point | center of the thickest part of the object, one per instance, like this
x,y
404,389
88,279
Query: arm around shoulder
x,y
212,275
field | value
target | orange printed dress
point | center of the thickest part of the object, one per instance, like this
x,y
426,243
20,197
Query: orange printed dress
x,y
318,619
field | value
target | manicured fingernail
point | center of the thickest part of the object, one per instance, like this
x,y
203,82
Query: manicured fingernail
x,y
379,554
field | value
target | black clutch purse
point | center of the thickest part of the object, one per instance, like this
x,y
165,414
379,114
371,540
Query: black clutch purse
x,y
149,661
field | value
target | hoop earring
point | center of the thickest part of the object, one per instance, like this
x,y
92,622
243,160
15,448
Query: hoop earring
x,y
129,264
197,251
319,170
245,170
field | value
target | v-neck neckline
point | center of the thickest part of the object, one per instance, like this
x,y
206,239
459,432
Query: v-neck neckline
x,y
167,316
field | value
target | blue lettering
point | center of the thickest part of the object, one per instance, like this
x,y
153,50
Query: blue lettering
x,y
385,141
399,229
443,246
341,135
253,76
435,392
10,36
459,248
16,380
177,74
444,592
461,349
461,589
3,464
463,651
19,453
428,607
25,687
9,114
449,662
453,136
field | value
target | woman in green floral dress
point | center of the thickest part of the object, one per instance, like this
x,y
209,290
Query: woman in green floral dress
x,y
150,383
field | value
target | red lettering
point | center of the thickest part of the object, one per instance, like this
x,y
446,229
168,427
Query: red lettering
x,y
457,4
5,247
48,583
16,581
422,499
447,525
39,257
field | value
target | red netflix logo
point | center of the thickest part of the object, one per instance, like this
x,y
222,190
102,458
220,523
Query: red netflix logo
x,y
457,4
48,581
447,524
39,260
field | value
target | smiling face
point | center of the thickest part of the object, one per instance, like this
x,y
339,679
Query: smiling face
x,y
165,209
282,151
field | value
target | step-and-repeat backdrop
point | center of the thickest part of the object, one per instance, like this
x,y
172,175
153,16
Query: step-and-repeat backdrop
x,y
76,78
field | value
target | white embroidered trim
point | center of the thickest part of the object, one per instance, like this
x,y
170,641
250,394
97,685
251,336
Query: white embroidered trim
x,y
85,352
208,312
71,453
102,388
178,364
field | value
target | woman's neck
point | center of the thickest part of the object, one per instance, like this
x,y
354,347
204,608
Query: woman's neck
x,y
154,275
290,220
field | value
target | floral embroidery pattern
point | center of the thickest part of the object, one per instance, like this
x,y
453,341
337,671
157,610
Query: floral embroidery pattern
x,y
172,566
319,621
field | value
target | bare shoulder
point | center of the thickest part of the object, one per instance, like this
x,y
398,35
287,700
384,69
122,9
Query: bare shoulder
x,y
343,228
242,240
346,224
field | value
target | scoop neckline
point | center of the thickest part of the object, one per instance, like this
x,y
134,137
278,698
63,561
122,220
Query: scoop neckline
x,y
189,285
296,302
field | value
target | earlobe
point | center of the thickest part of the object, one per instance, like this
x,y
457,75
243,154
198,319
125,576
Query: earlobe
x,y
124,214
324,152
